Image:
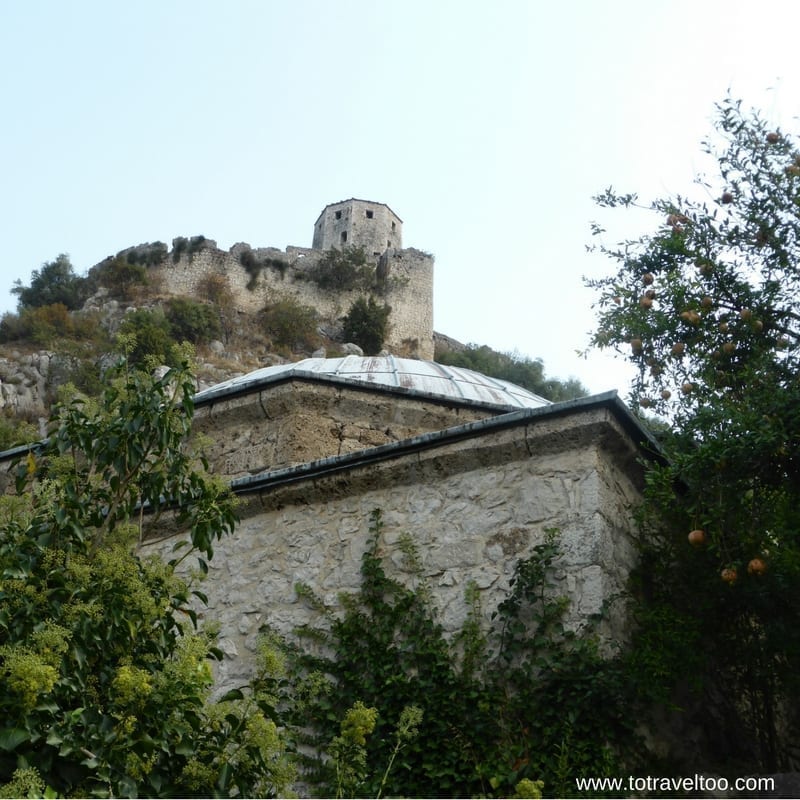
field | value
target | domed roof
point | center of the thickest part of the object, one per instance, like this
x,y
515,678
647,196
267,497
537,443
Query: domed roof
x,y
387,372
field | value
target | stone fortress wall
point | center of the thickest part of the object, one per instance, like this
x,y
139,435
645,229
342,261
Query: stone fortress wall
x,y
407,284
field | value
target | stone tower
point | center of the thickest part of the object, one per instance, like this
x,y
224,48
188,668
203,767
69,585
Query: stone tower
x,y
358,223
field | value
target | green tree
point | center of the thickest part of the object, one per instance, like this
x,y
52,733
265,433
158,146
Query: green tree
x,y
366,324
705,308
104,675
119,275
190,321
55,282
147,334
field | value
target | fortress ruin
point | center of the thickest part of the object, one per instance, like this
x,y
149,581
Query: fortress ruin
x,y
259,276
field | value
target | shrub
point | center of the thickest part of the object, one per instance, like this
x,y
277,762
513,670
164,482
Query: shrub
x,y
11,327
291,324
527,700
181,245
48,325
86,375
366,324
147,254
217,291
104,677
87,326
147,335
192,321
255,265
14,431
118,276
343,270
55,282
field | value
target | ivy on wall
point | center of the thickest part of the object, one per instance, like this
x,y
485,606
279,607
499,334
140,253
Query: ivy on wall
x,y
496,711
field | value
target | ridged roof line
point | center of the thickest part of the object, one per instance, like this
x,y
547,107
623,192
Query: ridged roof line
x,y
423,378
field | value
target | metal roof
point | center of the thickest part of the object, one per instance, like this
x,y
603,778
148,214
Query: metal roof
x,y
425,378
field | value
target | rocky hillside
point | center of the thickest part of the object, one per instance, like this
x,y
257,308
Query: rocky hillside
x,y
31,375
69,328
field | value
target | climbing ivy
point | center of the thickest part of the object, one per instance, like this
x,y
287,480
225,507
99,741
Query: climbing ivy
x,y
499,710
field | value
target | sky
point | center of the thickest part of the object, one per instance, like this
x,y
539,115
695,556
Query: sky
x,y
487,127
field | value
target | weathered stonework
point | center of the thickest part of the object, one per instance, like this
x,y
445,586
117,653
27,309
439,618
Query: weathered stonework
x,y
260,276
360,223
312,451
475,497
408,289
24,382
301,421
477,486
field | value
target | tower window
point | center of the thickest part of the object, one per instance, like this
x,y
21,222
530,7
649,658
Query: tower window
x,y
392,225
343,236
369,214
338,215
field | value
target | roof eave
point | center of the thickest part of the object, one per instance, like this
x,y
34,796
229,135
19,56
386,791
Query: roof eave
x,y
270,479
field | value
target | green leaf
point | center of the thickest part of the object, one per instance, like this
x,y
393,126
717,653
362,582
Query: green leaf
x,y
128,787
11,738
185,747
224,776
54,738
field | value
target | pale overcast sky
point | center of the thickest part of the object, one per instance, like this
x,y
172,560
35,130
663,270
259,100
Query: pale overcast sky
x,y
487,127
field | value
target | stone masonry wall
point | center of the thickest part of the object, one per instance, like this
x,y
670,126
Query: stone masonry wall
x,y
409,289
474,507
373,226
297,421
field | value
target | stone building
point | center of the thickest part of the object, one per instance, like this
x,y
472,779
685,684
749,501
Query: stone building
x,y
358,223
476,470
